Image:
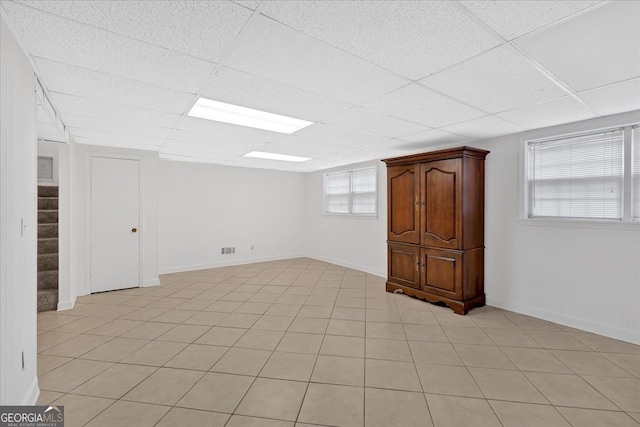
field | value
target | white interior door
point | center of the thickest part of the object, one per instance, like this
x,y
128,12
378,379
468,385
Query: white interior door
x,y
115,213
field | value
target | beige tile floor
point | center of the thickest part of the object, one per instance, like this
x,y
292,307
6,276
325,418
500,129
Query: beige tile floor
x,y
302,342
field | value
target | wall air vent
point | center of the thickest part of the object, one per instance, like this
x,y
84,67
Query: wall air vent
x,y
227,251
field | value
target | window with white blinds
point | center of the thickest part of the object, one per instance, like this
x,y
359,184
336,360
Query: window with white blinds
x,y
579,176
636,172
351,192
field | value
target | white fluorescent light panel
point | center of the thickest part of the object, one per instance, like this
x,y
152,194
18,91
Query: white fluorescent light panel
x,y
274,156
228,113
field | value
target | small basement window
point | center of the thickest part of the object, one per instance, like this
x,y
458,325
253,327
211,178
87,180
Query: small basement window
x,y
351,192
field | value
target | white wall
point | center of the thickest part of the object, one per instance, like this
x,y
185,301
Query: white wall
x,y
205,207
80,155
581,275
18,203
355,242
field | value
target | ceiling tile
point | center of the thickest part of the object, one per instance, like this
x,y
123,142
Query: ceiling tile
x,y
374,123
558,111
484,127
495,81
204,29
94,123
114,139
313,144
50,132
118,143
595,49
322,133
513,19
91,84
421,105
247,162
276,52
240,88
70,104
213,145
59,39
413,39
434,136
213,128
179,154
616,98
251,4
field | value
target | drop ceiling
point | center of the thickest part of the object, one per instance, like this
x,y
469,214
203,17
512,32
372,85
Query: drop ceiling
x,y
378,79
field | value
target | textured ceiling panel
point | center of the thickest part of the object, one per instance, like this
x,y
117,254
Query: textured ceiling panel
x,y
484,127
558,111
313,144
595,49
512,19
251,4
129,143
70,104
421,105
62,40
84,122
495,81
617,98
208,127
237,87
90,84
274,51
323,133
434,136
368,121
413,39
115,139
230,146
204,29
247,162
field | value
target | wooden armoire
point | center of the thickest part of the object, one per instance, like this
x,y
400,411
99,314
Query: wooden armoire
x,y
435,214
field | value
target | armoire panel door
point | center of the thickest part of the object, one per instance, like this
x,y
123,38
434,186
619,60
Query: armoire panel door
x,y
404,268
403,185
441,272
441,203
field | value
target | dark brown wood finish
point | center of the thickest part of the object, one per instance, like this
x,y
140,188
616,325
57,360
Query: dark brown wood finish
x,y
403,208
404,264
436,226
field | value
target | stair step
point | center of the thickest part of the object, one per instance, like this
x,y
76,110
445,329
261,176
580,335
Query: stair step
x,y
47,203
48,246
47,230
47,280
47,191
47,262
47,217
47,300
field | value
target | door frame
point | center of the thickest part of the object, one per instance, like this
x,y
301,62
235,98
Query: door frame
x,y
88,216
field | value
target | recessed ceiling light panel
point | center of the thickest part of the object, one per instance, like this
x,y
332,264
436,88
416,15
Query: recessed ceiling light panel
x,y
274,156
228,113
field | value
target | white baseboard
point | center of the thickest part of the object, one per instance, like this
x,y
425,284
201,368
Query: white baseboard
x,y
151,282
627,335
66,305
32,394
374,271
180,269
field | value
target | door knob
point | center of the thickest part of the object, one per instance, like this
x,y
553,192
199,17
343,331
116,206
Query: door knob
x,y
133,230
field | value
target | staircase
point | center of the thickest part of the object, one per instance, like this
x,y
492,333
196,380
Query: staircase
x,y
47,248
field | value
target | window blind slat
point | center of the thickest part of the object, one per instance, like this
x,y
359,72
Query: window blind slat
x,y
578,177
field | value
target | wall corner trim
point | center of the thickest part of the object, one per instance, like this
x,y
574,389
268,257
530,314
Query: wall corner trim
x,y
151,282
31,397
66,305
